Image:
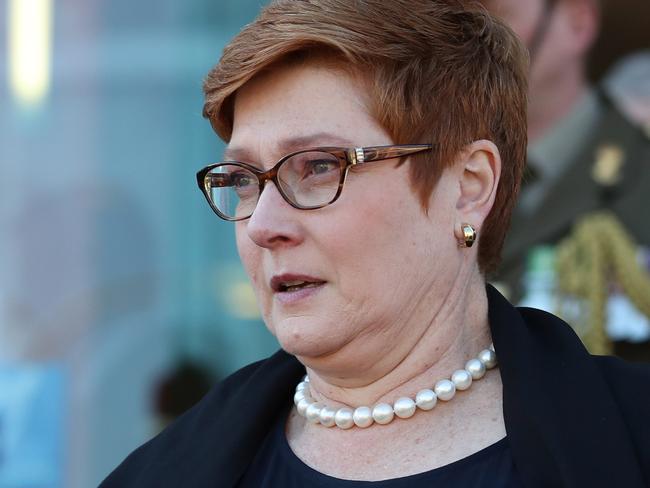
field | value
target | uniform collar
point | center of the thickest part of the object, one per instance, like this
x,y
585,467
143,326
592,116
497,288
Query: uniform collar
x,y
559,146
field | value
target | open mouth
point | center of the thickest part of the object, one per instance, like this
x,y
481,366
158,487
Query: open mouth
x,y
289,283
290,286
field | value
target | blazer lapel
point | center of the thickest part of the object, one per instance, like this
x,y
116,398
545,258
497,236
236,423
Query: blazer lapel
x,y
563,424
248,415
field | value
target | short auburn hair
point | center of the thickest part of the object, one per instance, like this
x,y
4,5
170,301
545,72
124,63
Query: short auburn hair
x,y
440,71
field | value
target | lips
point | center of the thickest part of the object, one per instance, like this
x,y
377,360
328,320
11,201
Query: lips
x,y
287,283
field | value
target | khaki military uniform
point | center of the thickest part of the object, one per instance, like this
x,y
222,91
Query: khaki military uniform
x,y
610,169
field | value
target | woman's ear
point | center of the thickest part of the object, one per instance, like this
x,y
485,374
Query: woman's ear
x,y
479,171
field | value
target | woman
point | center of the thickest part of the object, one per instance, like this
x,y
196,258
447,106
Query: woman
x,y
370,144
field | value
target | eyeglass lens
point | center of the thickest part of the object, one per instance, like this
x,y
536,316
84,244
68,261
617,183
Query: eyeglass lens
x,y
308,179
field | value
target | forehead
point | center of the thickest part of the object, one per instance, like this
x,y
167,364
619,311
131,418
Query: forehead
x,y
299,102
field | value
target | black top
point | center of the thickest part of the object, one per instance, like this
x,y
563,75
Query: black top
x,y
572,419
276,465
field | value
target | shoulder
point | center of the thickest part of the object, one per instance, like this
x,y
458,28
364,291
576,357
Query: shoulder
x,y
181,451
626,85
627,384
623,376
550,330
562,403
616,124
630,386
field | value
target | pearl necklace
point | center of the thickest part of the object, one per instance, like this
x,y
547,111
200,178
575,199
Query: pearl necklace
x,y
404,407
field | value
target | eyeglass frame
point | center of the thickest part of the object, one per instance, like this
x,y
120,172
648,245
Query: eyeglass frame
x,y
348,157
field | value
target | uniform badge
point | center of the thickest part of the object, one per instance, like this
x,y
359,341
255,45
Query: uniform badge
x,y
607,167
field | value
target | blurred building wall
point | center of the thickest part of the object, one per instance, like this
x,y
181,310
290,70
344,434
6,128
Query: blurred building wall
x,y
112,266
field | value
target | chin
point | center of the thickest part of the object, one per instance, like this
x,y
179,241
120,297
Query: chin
x,y
305,338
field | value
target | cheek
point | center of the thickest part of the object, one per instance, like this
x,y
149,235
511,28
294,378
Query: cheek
x,y
248,252
385,238
251,258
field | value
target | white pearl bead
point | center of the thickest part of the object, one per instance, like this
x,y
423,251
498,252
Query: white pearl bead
x,y
476,368
426,399
461,379
488,357
305,379
299,395
302,385
404,407
343,418
492,346
382,413
313,412
445,390
302,406
326,416
362,417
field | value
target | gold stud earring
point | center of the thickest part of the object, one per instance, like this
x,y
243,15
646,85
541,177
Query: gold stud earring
x,y
469,235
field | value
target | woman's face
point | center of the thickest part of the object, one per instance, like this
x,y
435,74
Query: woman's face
x,y
353,276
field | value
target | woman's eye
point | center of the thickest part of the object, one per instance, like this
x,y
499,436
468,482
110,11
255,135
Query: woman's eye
x,y
321,167
241,180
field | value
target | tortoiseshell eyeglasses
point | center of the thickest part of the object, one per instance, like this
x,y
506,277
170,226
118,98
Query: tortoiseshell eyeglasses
x,y
307,179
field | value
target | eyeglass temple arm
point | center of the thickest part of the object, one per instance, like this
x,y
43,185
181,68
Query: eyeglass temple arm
x,y
377,153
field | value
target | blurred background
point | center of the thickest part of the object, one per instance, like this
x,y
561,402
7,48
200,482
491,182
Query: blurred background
x,y
122,298
121,293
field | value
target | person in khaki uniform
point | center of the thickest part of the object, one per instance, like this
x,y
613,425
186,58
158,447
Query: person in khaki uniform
x,y
584,154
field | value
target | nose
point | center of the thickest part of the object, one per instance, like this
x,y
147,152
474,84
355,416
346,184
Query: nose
x,y
274,222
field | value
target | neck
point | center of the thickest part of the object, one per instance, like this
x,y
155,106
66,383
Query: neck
x,y
456,333
550,104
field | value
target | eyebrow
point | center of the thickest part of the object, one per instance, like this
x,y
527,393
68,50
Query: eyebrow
x,y
286,146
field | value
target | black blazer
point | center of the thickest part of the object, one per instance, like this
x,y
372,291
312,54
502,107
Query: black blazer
x,y
572,419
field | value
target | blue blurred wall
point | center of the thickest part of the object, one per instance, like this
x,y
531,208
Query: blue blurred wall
x,y
112,266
